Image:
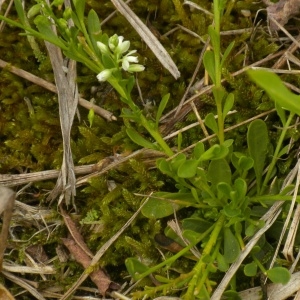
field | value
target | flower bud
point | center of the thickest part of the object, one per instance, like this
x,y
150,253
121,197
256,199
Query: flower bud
x,y
135,68
103,48
113,41
104,75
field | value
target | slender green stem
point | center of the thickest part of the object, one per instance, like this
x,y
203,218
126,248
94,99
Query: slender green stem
x,y
220,122
276,153
259,264
157,136
201,265
169,261
217,47
207,270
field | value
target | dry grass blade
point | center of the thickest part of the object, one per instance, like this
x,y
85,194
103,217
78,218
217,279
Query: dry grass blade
x,y
148,37
293,226
7,201
275,291
24,285
18,179
30,270
67,99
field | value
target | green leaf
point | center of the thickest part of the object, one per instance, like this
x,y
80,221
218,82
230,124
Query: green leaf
x,y
188,169
135,267
196,224
129,114
222,264
198,150
164,166
258,140
231,246
79,8
250,270
91,117
159,208
226,53
161,108
219,93
228,104
230,211
33,11
20,11
224,190
108,61
215,152
240,186
44,27
245,163
277,91
281,113
232,295
279,275
177,161
219,171
179,141
215,37
94,29
211,123
76,21
209,64
191,235
139,140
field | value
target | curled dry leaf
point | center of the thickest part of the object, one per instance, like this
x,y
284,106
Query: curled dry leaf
x,y
282,11
98,277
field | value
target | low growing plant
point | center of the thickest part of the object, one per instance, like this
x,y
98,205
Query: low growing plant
x,y
216,186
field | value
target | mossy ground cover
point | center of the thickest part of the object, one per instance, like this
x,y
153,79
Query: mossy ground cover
x,y
31,141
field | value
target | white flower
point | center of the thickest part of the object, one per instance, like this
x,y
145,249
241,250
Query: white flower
x,y
127,60
122,47
104,75
103,48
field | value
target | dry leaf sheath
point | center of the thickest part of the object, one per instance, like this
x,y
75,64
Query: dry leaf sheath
x,y
7,200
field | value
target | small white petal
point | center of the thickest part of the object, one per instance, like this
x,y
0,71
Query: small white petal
x,y
133,59
122,47
104,75
131,52
125,64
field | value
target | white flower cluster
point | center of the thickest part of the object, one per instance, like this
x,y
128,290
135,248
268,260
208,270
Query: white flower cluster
x,y
116,49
